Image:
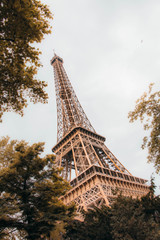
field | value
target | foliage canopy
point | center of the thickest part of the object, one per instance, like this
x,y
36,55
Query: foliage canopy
x,y
22,23
30,188
147,109
127,219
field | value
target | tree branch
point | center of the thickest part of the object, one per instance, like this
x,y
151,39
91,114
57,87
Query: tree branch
x,y
7,39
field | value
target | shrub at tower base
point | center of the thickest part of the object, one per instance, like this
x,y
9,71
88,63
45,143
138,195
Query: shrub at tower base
x,y
29,191
127,219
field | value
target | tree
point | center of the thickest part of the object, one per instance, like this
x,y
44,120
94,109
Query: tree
x,y
127,219
7,151
22,23
30,188
151,204
96,225
147,109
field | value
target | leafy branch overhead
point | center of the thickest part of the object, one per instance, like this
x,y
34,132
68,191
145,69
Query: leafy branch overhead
x,y
147,109
22,23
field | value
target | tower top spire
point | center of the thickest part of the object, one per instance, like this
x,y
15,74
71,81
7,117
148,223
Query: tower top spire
x,y
70,113
56,58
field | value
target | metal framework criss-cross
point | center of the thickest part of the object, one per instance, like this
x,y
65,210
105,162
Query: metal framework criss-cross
x,y
70,113
91,168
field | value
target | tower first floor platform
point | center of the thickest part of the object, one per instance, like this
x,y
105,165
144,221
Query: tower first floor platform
x,y
98,185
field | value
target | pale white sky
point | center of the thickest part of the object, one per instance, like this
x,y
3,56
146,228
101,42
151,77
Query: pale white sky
x,y
111,53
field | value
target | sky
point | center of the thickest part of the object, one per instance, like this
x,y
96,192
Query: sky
x,y
111,54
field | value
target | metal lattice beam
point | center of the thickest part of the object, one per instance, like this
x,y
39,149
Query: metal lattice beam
x,y
90,167
70,113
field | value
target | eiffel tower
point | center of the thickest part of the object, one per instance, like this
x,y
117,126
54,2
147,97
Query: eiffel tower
x,y
92,170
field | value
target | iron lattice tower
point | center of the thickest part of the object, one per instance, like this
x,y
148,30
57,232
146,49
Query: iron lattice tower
x,y
90,167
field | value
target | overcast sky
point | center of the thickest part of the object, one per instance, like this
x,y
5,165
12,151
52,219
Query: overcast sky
x,y
111,53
